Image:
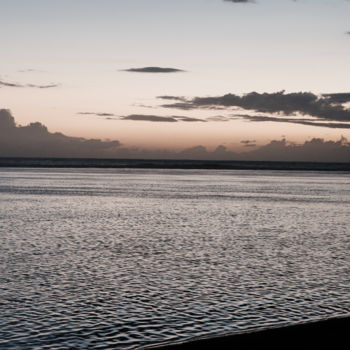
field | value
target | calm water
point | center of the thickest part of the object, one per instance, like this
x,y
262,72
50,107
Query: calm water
x,y
123,258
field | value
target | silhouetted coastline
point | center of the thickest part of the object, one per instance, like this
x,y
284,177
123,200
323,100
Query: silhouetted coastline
x,y
169,164
331,333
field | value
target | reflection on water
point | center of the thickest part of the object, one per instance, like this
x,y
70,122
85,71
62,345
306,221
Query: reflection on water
x,y
105,258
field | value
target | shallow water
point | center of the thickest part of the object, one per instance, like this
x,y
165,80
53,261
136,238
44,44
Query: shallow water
x,y
123,258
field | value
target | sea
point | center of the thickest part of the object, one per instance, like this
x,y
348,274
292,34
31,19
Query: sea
x,y
122,258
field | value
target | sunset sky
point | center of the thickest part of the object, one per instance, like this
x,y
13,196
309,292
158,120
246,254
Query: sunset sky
x,y
153,74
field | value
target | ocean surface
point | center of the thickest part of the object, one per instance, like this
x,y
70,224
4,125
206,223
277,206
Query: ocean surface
x,y
121,258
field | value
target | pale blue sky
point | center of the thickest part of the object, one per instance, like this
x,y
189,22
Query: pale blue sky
x,y
224,47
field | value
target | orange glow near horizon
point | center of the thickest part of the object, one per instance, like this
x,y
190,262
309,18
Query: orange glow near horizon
x,y
179,135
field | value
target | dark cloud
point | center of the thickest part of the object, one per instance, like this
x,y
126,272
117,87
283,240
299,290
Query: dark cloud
x,y
176,98
185,104
153,70
179,105
302,121
34,140
188,119
8,84
325,108
157,118
343,97
150,118
97,114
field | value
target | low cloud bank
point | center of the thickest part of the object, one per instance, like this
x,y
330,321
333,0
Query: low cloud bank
x,y
315,150
34,140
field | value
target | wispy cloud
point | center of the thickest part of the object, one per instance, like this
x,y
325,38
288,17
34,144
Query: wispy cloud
x,y
99,114
5,83
218,118
18,85
301,121
42,86
157,118
153,70
169,97
145,117
30,70
149,118
249,143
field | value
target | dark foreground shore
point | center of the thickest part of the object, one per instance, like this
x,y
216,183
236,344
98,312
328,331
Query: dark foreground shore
x,y
169,164
327,334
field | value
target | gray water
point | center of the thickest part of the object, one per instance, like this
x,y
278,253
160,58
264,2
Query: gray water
x,y
124,258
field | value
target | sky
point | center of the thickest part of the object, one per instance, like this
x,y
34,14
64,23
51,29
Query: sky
x,y
213,78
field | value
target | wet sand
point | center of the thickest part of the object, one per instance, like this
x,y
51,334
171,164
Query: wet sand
x,y
331,334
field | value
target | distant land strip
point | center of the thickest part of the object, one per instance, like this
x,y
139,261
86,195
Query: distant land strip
x,y
169,164
327,334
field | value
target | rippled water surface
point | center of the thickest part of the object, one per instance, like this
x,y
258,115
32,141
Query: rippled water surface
x,y
124,258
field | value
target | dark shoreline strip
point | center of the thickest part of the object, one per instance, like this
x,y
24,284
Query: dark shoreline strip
x,y
330,333
169,164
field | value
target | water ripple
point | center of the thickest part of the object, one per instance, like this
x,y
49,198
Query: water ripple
x,y
101,259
